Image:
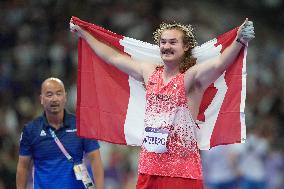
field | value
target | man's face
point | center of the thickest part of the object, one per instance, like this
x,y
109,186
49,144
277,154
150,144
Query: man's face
x,y
171,46
53,97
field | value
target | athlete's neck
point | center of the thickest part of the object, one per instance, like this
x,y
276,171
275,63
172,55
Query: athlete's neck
x,y
170,70
55,120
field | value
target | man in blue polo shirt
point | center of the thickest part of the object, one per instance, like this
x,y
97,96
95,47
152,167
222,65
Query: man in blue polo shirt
x,y
51,142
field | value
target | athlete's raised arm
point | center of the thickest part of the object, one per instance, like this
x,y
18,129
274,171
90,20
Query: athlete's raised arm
x,y
110,55
202,75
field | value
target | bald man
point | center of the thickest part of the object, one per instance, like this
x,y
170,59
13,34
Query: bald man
x,y
57,152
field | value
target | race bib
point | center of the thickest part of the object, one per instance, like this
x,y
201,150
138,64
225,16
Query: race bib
x,y
155,140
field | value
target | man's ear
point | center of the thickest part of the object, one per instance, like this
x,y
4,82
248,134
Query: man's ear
x,y
186,47
40,98
65,97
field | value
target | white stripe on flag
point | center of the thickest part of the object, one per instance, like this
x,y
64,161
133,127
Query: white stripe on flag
x,y
211,113
134,122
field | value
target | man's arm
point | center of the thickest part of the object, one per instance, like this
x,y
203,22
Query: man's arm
x,y
202,75
97,168
121,61
23,168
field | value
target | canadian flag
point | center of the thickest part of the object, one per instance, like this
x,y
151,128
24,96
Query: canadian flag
x,y
111,104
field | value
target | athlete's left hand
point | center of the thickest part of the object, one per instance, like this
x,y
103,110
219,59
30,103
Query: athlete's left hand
x,y
246,31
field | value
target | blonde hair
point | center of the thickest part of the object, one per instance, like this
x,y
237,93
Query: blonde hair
x,y
188,40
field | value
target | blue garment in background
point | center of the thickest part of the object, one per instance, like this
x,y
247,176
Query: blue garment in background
x,y
51,167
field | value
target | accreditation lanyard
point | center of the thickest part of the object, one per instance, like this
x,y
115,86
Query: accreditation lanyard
x,y
80,170
60,145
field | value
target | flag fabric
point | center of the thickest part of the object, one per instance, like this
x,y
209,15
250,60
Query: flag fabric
x,y
111,104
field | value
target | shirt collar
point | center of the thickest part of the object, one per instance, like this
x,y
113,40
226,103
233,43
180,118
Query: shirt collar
x,y
65,120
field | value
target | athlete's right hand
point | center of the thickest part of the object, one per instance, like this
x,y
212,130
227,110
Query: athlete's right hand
x,y
74,28
246,31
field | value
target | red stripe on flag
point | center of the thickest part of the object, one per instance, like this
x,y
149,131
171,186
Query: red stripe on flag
x,y
107,36
98,83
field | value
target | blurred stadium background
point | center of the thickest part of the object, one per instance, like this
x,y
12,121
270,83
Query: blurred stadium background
x,y
35,43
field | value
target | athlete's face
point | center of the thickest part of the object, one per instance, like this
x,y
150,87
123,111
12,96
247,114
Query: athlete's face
x,y
172,48
53,97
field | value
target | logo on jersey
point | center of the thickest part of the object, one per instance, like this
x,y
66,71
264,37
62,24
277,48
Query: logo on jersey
x,y
42,133
71,130
21,137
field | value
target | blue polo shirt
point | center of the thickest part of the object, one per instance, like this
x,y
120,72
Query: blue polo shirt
x,y
52,170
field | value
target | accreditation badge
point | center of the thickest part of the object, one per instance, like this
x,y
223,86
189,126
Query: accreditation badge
x,y
155,140
81,173
77,171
